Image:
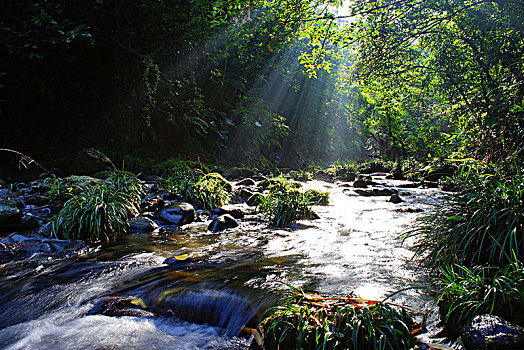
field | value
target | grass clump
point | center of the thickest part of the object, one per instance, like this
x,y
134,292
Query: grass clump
x,y
285,204
465,293
305,321
101,211
483,224
203,191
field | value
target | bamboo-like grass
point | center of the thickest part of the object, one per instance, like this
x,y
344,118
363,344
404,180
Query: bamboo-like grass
x,y
306,321
99,212
483,224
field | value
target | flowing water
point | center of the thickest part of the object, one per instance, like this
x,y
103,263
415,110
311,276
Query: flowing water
x,y
203,302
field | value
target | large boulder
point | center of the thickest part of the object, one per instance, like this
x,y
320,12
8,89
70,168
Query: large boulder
x,y
488,332
90,161
177,213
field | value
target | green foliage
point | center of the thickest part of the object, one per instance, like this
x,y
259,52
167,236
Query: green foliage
x,y
465,293
99,212
304,321
284,204
205,192
317,197
482,224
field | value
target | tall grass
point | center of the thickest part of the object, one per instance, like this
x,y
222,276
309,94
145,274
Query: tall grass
x,y
465,293
483,224
99,212
285,204
304,321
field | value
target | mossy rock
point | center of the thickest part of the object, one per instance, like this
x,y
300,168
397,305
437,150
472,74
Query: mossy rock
x,y
226,184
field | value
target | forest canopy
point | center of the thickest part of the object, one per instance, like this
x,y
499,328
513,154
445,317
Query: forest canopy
x,y
292,81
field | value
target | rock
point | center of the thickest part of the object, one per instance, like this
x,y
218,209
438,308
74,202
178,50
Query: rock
x,y
2,183
236,213
255,199
360,183
36,199
9,213
90,161
323,176
244,194
120,306
12,251
493,333
202,215
80,182
433,174
236,173
177,213
247,182
395,198
375,192
222,222
142,224
383,192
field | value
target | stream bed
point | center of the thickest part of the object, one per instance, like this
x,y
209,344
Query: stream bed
x,y
205,301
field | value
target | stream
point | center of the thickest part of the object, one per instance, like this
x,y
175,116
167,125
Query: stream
x,y
205,300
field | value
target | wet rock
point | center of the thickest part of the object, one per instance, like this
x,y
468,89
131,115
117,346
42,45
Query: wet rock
x,y
9,213
36,199
222,222
236,213
383,192
177,213
247,182
493,333
80,182
244,194
323,176
202,215
375,192
395,198
236,173
120,306
410,210
153,204
434,174
12,251
90,161
360,183
142,224
255,199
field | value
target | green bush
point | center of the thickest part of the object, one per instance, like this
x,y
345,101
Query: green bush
x,y
205,192
304,321
483,224
99,212
465,293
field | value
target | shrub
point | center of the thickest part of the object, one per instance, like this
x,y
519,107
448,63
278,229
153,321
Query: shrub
x,y
465,293
205,192
304,321
99,211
